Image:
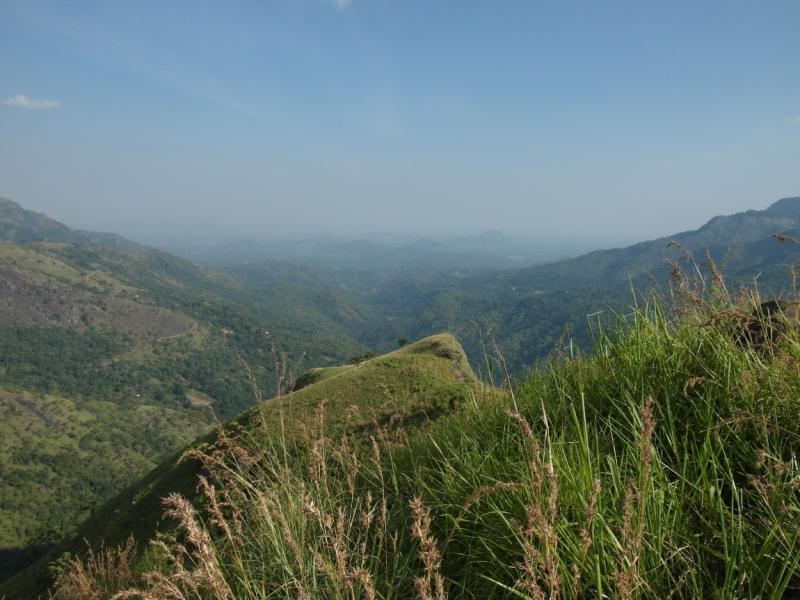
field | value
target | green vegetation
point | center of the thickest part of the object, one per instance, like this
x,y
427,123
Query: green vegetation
x,y
147,344
358,359
653,456
141,326
318,374
62,458
530,309
408,387
663,464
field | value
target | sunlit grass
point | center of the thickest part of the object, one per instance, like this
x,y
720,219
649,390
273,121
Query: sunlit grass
x,y
663,463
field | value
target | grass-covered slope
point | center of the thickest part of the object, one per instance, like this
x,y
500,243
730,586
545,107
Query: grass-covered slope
x,y
663,465
410,385
407,387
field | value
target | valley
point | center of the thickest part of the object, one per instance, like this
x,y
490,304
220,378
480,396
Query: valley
x,y
115,356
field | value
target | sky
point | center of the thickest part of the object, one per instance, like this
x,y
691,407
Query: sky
x,y
619,120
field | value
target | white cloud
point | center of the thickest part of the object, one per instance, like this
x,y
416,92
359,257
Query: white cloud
x,y
795,120
21,101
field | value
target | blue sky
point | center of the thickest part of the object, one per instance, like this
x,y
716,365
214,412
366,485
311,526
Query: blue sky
x,y
619,120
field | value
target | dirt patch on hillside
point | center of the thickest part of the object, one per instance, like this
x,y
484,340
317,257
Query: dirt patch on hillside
x,y
146,321
25,303
196,401
32,407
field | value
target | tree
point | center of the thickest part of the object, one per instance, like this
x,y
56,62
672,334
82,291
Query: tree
x,y
357,360
402,341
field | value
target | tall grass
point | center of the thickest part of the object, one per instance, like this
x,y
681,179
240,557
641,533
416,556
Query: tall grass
x,y
663,463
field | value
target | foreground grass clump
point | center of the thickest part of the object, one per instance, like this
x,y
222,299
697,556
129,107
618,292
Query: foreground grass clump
x,y
663,464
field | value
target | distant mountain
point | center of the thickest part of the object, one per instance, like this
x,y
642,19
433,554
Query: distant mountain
x,y
20,225
428,245
489,250
488,240
529,309
620,265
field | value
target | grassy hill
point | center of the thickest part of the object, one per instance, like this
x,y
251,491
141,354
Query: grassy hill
x,y
135,340
662,464
147,331
405,388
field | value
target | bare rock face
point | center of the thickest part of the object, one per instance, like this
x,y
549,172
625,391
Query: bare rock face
x,y
771,321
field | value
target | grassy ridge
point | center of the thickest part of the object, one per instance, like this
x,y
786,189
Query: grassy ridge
x,y
409,386
664,464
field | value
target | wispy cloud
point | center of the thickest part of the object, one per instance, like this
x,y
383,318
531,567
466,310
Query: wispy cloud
x,y
795,120
21,101
340,3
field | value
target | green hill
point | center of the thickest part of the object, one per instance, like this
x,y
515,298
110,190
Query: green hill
x,y
662,464
405,388
603,268
145,325
145,333
60,458
20,225
144,350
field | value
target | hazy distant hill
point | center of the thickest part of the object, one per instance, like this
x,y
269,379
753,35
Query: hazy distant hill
x,y
620,265
389,254
20,225
396,280
529,309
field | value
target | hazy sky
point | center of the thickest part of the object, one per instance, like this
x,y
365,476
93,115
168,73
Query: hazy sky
x,y
638,119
